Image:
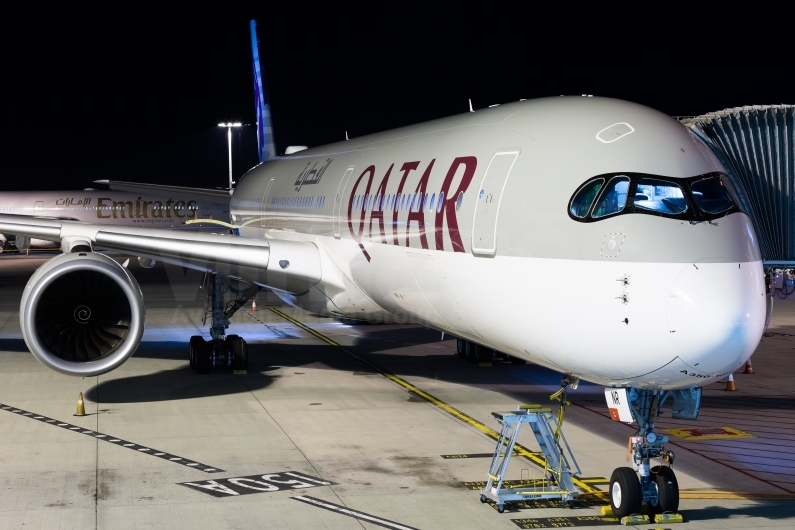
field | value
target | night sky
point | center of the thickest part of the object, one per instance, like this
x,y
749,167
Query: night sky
x,y
135,93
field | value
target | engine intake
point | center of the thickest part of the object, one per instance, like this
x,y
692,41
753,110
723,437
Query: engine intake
x,y
82,314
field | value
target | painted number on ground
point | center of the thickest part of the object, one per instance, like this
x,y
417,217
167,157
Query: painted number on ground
x,y
269,482
566,522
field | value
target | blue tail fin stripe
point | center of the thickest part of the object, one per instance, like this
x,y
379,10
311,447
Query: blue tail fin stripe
x,y
265,144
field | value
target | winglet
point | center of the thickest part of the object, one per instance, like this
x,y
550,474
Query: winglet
x,y
266,147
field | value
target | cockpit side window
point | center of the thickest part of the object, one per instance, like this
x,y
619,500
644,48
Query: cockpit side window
x,y
660,196
581,203
613,198
710,195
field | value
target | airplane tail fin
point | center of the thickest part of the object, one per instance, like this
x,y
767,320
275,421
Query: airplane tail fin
x,y
266,147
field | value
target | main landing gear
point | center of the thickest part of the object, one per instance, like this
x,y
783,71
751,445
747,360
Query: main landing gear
x,y
221,350
654,485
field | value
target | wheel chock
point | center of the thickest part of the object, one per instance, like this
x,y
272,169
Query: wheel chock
x,y
239,372
607,511
81,408
630,520
669,518
485,365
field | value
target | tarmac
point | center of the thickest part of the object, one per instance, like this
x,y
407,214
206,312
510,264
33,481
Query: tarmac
x,y
346,426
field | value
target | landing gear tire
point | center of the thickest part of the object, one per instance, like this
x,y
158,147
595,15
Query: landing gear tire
x,y
517,360
625,493
471,351
460,345
200,351
238,348
667,490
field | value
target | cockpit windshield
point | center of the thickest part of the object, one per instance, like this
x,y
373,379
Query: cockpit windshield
x,y
710,195
659,196
695,199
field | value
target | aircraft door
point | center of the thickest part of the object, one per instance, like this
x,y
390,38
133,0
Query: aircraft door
x,y
264,202
338,201
487,207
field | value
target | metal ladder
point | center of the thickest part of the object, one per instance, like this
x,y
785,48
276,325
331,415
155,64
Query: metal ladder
x,y
557,482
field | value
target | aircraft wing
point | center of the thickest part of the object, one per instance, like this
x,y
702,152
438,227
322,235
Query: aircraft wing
x,y
215,195
292,266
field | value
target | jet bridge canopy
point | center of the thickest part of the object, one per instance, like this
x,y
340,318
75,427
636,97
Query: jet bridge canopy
x,y
756,144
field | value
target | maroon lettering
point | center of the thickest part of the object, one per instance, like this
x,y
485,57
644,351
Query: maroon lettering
x,y
419,215
378,206
357,235
406,168
448,210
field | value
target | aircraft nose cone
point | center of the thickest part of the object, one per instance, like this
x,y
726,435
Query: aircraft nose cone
x,y
716,314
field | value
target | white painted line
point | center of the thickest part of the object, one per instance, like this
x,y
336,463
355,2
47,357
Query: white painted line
x,y
83,430
308,479
353,513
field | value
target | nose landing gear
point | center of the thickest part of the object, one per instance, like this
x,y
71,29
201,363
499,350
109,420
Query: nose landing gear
x,y
221,350
642,483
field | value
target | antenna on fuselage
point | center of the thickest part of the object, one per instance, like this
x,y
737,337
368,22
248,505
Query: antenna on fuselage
x,y
470,106
346,135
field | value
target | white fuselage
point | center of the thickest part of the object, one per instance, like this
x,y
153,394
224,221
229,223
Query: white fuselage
x,y
631,299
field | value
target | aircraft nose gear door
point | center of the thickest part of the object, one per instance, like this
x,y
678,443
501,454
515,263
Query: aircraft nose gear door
x,y
484,225
339,200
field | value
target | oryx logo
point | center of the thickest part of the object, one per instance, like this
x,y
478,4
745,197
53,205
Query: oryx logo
x,y
616,400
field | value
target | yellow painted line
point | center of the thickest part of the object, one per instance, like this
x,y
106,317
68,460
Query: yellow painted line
x,y
491,433
533,456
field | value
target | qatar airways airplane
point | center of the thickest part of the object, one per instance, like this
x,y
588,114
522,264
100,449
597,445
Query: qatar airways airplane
x,y
593,236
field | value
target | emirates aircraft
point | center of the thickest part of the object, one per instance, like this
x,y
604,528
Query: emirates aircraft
x,y
590,235
125,204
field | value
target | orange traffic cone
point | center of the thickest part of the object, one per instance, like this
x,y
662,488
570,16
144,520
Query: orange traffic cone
x,y
253,305
730,383
81,408
749,369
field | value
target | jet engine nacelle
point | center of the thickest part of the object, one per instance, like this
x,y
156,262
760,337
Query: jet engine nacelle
x,y
82,314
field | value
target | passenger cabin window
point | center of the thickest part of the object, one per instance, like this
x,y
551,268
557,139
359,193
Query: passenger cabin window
x,y
710,195
613,198
660,196
581,203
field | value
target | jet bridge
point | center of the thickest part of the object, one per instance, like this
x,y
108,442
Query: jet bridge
x,y
755,145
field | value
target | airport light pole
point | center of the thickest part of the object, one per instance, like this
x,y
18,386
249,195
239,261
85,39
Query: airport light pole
x,y
229,137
